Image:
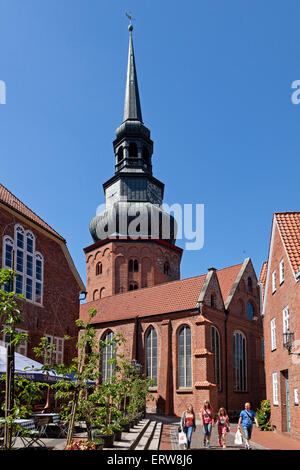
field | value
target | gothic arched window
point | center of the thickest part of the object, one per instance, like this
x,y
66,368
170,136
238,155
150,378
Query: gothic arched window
x,y
108,353
216,349
184,357
249,282
151,354
135,266
240,362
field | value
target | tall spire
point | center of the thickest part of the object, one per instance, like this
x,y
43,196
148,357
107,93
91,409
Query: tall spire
x,y
132,105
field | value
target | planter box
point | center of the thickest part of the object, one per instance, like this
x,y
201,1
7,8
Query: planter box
x,y
108,440
118,435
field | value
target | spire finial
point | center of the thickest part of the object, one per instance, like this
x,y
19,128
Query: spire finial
x,y
132,106
129,16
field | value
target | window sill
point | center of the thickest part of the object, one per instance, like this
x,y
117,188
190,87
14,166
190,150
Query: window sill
x,y
184,390
152,389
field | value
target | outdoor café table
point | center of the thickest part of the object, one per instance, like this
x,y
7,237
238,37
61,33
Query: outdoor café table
x,y
24,423
54,417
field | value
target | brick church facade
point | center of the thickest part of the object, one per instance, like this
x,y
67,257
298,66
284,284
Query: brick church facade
x,y
44,266
279,278
197,338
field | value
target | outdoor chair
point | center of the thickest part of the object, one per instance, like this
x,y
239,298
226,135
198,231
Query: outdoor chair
x,y
63,428
36,435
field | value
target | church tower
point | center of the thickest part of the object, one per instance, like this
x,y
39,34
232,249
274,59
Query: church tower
x,y
134,239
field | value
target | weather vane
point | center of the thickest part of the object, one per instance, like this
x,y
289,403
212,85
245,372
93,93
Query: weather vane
x,y
129,16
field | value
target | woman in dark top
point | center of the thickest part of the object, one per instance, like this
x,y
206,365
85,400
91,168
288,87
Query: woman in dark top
x,y
188,423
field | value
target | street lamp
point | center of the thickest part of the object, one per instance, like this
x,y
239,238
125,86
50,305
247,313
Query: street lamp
x,y
288,339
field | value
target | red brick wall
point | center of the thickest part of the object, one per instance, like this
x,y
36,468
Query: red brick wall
x,y
287,294
60,309
115,255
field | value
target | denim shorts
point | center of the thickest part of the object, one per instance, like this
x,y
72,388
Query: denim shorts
x,y
206,429
247,432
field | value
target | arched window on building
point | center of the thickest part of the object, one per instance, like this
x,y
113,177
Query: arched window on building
x,y
133,286
133,265
216,349
39,262
240,362
151,354
250,310
213,301
19,258
167,268
133,153
249,283
184,357
120,154
98,268
8,248
146,155
107,354
29,265
102,292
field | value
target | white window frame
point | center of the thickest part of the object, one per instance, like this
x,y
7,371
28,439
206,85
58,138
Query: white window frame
x,y
273,334
22,349
39,256
185,358
285,319
281,271
25,253
274,281
296,396
57,355
275,388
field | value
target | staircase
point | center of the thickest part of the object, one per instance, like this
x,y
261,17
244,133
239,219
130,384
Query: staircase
x,y
144,436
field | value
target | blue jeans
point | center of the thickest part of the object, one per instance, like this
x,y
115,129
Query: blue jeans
x,y
247,432
188,431
206,429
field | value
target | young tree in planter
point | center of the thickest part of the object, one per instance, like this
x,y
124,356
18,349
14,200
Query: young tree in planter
x,y
85,368
11,313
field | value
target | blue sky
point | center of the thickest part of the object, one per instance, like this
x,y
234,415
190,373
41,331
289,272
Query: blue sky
x,y
215,85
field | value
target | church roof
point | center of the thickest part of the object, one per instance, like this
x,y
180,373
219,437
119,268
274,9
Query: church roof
x,y
289,228
226,278
9,199
169,297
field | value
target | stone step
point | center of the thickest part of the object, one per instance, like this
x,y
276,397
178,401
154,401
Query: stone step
x,y
145,440
154,444
130,439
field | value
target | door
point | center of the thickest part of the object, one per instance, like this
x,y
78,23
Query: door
x,y
287,401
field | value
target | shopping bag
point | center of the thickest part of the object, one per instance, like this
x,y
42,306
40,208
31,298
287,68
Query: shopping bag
x,y
238,438
182,438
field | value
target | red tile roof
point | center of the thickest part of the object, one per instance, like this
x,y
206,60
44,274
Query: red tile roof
x,y
226,278
13,202
164,298
263,276
169,297
289,228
